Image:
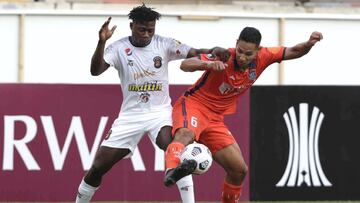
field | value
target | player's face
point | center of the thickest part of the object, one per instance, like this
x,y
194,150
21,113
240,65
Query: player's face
x,y
245,53
142,32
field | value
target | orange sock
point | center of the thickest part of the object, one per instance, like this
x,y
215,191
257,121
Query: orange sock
x,y
172,154
230,193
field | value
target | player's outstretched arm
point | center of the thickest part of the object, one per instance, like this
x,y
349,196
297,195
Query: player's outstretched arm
x,y
222,53
194,64
98,65
303,48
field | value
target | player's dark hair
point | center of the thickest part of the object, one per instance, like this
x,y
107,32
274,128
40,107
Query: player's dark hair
x,y
250,34
143,14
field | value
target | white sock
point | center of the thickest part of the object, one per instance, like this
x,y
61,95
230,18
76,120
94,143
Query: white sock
x,y
186,189
85,192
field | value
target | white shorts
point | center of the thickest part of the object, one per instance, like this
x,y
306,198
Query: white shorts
x,y
128,129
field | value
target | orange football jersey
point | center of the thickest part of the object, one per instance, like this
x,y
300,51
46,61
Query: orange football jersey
x,y
220,90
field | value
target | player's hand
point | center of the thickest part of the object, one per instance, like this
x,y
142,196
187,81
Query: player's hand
x,y
216,65
105,33
315,37
221,53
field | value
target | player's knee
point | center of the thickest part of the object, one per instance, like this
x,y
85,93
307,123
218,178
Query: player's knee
x,y
93,177
238,171
184,136
95,173
164,137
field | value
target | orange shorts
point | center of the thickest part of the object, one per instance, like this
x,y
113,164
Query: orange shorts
x,y
208,127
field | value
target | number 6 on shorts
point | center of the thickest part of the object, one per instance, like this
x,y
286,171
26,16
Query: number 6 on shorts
x,y
194,121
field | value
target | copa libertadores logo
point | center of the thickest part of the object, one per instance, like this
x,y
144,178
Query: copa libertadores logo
x,y
303,167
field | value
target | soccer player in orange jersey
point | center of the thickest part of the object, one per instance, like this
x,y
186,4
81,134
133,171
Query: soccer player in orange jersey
x,y
199,114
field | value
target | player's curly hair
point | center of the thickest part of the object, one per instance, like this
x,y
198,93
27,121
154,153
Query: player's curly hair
x,y
250,34
143,14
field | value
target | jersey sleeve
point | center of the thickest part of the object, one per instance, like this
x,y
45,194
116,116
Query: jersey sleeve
x,y
270,55
111,55
176,49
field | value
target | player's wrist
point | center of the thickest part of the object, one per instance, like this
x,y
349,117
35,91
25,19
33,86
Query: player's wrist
x,y
208,64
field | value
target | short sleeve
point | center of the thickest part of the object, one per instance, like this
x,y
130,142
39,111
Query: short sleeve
x,y
176,49
110,55
270,55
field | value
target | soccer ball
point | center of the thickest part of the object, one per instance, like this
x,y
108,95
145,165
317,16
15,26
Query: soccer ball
x,y
201,154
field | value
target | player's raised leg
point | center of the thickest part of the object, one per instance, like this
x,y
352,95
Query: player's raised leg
x,y
185,185
231,159
174,169
105,159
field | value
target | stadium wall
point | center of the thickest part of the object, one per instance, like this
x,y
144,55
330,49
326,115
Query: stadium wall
x,y
56,47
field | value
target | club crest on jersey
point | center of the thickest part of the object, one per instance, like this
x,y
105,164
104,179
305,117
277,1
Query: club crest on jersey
x,y
157,61
144,97
252,74
128,51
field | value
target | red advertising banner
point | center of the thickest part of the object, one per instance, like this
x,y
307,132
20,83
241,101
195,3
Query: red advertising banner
x,y
49,134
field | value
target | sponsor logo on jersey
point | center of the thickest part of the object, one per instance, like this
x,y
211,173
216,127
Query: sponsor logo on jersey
x,y
143,74
128,51
226,88
148,86
157,61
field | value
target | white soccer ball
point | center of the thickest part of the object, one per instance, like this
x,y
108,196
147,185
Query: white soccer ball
x,y
201,154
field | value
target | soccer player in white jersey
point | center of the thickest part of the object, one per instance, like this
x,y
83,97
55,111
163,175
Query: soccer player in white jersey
x,y
142,64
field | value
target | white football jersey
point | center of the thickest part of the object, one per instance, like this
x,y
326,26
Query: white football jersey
x,y
143,71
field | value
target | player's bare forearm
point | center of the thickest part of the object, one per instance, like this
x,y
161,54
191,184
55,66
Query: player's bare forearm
x,y
194,52
221,53
297,51
193,64
303,48
98,65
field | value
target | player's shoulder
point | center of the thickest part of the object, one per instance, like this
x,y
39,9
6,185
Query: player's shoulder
x,y
120,42
163,39
159,38
270,50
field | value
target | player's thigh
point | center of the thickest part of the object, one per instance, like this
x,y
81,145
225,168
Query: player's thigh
x,y
190,115
223,146
125,133
159,126
216,136
164,137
